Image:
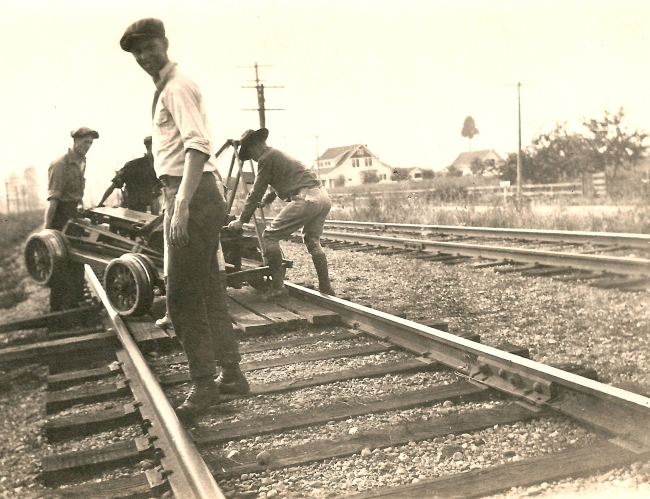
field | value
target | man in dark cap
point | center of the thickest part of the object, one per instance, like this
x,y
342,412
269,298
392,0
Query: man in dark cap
x,y
308,207
195,210
141,185
65,190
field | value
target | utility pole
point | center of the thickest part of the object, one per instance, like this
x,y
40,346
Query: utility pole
x,y
261,109
518,85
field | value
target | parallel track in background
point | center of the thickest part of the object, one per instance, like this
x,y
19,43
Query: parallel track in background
x,y
344,348
589,256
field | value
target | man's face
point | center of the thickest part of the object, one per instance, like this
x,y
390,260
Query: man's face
x,y
82,144
151,54
256,149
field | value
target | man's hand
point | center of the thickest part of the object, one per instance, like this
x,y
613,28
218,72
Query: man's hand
x,y
178,235
236,225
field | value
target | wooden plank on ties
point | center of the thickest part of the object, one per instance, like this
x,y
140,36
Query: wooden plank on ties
x,y
144,330
247,321
300,455
335,412
594,458
313,314
251,300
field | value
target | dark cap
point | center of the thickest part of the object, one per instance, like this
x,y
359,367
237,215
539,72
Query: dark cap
x,y
82,131
248,138
148,140
142,29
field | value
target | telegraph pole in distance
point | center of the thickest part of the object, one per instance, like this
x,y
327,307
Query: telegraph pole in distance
x,y
518,85
261,109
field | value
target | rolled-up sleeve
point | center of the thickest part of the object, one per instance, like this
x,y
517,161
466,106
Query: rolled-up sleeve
x,y
185,104
55,181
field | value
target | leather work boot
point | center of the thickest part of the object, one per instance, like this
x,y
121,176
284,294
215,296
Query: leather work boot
x,y
277,291
164,323
232,380
320,264
202,396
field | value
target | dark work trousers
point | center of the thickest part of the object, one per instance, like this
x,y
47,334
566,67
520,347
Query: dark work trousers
x,y
196,299
67,289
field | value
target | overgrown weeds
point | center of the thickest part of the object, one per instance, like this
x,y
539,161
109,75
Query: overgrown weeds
x,y
14,230
549,214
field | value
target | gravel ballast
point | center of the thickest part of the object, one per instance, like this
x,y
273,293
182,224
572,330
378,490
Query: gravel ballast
x,y
559,322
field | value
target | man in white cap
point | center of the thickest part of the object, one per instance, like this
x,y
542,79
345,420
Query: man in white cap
x,y
195,211
65,191
308,207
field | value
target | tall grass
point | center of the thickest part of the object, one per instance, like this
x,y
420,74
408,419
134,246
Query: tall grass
x,y
14,230
549,214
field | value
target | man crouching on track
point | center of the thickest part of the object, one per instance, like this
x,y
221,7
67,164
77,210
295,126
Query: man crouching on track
x,y
308,207
194,213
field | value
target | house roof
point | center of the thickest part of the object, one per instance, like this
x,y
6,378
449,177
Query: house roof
x,y
335,152
323,170
466,158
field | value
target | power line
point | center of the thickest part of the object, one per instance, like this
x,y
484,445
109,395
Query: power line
x,y
261,109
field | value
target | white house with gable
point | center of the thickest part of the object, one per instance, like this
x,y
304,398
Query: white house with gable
x,y
349,163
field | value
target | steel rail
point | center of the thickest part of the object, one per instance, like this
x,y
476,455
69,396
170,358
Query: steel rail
x,y
638,241
183,466
594,263
622,413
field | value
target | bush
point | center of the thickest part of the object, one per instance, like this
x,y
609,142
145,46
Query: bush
x,y
370,177
14,230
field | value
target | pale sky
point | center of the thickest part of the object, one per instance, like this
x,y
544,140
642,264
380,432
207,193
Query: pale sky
x,y
397,75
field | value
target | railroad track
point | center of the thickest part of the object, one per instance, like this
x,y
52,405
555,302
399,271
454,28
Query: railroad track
x,y
344,400
591,256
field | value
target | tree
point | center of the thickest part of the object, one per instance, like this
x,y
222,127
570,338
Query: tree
x,y
453,171
477,167
400,175
561,154
469,130
615,144
369,177
558,155
339,181
30,179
